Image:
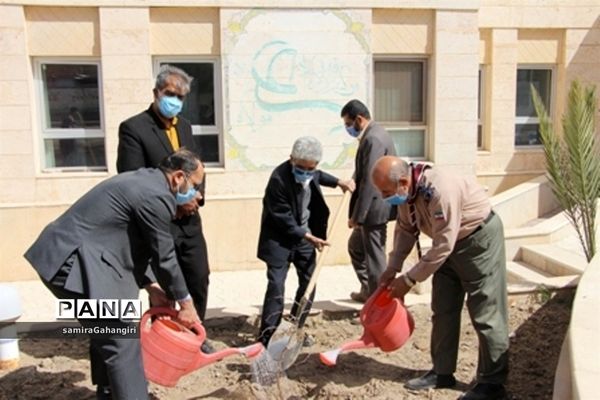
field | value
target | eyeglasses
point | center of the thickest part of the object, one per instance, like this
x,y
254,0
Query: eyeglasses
x,y
197,187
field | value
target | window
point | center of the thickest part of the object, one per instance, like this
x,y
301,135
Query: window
x,y
400,99
480,107
527,123
202,107
72,127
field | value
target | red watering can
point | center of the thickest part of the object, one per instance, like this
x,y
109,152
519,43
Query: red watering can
x,y
170,350
386,322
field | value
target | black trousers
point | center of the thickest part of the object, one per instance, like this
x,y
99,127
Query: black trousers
x,y
303,257
192,255
115,362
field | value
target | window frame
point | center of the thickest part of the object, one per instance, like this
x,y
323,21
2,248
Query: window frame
x,y
67,133
407,125
481,102
203,130
550,110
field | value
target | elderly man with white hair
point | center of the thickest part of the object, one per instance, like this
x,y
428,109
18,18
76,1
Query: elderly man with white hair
x,y
294,223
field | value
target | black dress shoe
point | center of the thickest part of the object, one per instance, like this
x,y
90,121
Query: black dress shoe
x,y
207,348
485,391
359,297
431,380
103,392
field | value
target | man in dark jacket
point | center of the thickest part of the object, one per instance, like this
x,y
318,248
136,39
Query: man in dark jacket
x,y
144,140
294,223
100,248
368,213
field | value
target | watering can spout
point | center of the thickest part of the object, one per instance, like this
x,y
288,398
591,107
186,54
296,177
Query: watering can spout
x,y
205,359
170,351
387,325
329,358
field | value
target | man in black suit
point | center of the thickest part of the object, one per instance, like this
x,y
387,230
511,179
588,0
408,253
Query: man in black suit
x,y
294,223
368,213
144,140
100,248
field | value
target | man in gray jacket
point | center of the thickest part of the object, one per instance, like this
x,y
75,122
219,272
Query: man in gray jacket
x,y
100,249
368,213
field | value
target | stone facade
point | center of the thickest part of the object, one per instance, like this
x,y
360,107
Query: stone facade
x,y
323,55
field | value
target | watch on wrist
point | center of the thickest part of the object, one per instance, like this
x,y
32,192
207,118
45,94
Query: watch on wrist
x,y
408,280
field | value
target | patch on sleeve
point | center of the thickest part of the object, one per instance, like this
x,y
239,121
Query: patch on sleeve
x,y
438,214
427,192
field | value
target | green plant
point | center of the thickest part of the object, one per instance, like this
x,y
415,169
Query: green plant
x,y
573,162
543,294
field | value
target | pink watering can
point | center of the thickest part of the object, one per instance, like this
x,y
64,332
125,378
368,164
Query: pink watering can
x,y
170,350
386,322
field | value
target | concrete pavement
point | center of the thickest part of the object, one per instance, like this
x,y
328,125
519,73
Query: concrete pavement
x,y
231,293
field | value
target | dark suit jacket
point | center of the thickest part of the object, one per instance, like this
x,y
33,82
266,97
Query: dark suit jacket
x,y
280,227
115,228
366,205
144,144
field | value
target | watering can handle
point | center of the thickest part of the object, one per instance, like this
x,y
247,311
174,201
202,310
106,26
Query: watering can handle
x,y
380,291
196,327
155,311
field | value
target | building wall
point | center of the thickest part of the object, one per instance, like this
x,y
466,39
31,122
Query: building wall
x,y
455,37
562,33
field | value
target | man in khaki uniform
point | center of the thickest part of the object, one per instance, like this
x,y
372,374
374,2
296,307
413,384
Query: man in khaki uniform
x,y
467,256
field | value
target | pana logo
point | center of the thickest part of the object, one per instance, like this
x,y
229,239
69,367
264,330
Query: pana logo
x,y
98,309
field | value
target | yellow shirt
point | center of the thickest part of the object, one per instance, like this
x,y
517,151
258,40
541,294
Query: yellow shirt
x,y
172,134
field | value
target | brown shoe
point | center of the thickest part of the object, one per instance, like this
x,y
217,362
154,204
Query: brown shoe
x,y
359,297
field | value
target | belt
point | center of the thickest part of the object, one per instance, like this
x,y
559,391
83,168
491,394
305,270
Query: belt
x,y
481,225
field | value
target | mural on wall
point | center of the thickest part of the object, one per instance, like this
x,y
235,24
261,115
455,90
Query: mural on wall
x,y
287,73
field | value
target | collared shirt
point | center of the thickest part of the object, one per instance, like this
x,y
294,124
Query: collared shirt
x,y
448,208
362,133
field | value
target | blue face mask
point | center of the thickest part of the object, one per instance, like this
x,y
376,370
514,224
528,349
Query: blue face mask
x,y
396,199
182,198
169,106
352,131
301,175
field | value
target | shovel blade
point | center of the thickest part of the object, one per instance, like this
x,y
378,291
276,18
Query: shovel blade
x,y
285,344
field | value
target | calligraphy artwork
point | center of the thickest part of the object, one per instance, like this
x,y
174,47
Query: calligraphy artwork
x,y
288,73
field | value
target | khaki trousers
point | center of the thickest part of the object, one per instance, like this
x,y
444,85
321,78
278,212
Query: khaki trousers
x,y
477,268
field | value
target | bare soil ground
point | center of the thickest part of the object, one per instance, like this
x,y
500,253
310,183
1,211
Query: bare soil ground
x,y
59,369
